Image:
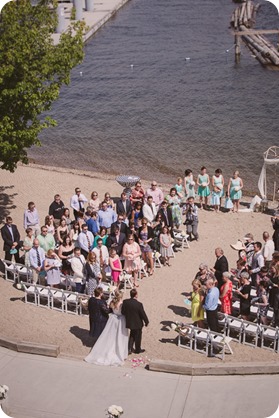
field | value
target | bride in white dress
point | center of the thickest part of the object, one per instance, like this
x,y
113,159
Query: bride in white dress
x,y
111,348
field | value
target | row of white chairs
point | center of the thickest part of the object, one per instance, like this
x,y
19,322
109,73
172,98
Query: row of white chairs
x,y
254,310
53,298
249,333
204,341
15,272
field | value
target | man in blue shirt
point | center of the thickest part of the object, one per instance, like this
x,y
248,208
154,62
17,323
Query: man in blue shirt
x,y
106,216
93,224
211,305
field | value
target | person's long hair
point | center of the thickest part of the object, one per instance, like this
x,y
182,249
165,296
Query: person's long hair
x,y
117,299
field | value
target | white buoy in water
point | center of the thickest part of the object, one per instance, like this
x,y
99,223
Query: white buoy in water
x,y
132,66
80,73
187,59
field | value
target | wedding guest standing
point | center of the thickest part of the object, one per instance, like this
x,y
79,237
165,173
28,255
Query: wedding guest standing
x,y
56,209
149,210
189,184
27,245
94,202
165,245
174,201
203,189
135,316
11,238
77,203
65,253
226,294
145,242
192,221
221,265
155,193
92,273
268,249
234,190
244,295
197,298
275,225
52,268
31,218
115,265
36,257
46,240
131,253
137,194
77,265
124,205
85,240
98,313
211,305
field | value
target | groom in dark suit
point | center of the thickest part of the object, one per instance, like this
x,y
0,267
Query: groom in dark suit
x,y
135,316
11,238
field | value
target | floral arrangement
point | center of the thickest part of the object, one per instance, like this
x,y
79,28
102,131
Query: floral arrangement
x,y
115,411
181,328
3,391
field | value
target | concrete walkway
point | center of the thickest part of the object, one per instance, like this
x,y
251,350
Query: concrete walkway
x,y
43,387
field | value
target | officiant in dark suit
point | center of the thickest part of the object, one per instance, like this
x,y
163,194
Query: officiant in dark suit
x,y
221,265
11,238
136,317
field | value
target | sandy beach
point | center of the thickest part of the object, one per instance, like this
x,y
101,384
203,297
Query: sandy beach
x,y
162,294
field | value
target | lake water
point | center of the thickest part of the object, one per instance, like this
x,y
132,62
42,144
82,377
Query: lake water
x,y
137,106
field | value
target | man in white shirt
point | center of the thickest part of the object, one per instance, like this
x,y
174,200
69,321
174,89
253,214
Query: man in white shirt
x,y
268,249
77,264
102,256
31,218
77,202
85,240
149,210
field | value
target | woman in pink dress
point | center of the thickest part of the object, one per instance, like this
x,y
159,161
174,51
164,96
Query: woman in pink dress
x,y
226,294
132,253
115,265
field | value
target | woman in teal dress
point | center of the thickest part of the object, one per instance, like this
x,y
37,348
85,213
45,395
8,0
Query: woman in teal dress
x,y
234,190
174,202
189,184
218,189
203,189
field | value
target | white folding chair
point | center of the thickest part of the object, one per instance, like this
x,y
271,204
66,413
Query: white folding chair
x,y
24,272
57,299
126,280
201,337
187,336
182,238
44,294
253,331
142,270
156,257
71,299
234,325
10,270
30,290
269,338
220,341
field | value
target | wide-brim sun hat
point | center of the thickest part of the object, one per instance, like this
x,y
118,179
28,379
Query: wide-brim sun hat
x,y
238,246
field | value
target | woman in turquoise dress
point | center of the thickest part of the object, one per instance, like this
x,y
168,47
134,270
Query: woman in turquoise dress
x,y
218,189
174,202
235,190
179,187
203,189
189,184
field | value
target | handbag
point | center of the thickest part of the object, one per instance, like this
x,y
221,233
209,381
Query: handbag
x,y
228,203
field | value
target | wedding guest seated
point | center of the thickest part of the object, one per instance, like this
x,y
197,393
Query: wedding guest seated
x,y
137,214
124,205
174,202
74,233
92,273
52,265
197,298
116,267
65,253
67,217
77,265
120,223
145,242
103,235
109,201
106,216
46,240
137,194
244,295
93,224
116,240
131,253
149,210
226,294
62,231
49,223
98,313
85,240
94,202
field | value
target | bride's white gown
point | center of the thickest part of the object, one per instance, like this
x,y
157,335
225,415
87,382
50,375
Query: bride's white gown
x,y
111,348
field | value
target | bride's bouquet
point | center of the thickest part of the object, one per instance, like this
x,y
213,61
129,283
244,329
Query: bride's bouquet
x,y
115,411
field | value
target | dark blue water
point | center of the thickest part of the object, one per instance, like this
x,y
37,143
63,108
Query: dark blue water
x,y
140,107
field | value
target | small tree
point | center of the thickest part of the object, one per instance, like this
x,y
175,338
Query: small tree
x,y
32,71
